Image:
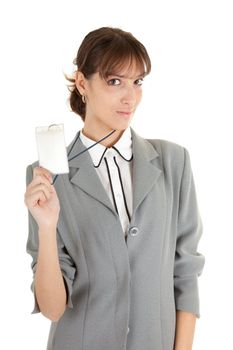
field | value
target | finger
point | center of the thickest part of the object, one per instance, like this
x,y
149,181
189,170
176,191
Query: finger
x,y
38,180
40,187
39,193
42,171
34,199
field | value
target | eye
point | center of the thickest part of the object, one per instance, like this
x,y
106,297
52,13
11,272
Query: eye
x,y
138,81
113,82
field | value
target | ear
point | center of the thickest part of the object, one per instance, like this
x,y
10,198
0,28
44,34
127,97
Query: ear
x,y
81,83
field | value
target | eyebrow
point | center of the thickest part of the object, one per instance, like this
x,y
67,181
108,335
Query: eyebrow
x,y
124,76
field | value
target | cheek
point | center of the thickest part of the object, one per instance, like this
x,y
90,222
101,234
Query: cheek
x,y
110,99
139,96
99,100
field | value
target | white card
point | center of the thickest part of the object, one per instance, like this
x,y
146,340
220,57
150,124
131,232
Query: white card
x,y
52,148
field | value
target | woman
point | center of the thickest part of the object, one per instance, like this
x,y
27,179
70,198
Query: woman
x,y
114,242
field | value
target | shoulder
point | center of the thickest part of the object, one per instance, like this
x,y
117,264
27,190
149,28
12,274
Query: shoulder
x,y
169,151
170,156
30,167
29,171
166,149
34,164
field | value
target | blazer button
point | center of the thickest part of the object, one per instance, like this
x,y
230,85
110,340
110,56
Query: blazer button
x,y
133,231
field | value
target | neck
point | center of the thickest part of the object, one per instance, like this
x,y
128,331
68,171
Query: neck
x,y
97,135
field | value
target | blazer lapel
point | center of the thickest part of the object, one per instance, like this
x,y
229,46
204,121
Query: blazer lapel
x,y
145,171
85,177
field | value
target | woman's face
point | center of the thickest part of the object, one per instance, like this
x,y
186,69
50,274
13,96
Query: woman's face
x,y
111,103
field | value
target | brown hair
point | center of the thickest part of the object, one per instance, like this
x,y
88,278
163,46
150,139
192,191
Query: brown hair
x,y
105,50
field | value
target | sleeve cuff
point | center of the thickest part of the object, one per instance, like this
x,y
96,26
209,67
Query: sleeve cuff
x,y
186,295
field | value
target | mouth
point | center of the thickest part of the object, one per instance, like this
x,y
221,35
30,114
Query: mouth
x,y
125,114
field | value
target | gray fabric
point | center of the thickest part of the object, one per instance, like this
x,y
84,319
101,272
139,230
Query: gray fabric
x,y
124,294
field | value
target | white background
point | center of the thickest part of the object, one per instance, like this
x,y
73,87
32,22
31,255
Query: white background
x,y
187,100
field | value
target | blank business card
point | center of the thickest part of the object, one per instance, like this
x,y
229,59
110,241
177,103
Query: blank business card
x,y
51,148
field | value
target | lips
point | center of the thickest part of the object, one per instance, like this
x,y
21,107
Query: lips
x,y
125,114
129,112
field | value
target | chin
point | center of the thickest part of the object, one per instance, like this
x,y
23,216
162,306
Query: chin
x,y
121,126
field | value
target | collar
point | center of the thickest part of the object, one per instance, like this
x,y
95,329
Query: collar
x,y
123,147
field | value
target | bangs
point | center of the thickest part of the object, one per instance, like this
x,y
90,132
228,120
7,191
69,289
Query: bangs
x,y
122,58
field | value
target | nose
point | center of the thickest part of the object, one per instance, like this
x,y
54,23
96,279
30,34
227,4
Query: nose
x,y
129,95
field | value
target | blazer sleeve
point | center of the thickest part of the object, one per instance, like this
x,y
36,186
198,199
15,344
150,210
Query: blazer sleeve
x,y
67,265
188,262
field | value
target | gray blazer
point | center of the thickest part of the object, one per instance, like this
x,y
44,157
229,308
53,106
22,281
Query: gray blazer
x,y
123,294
